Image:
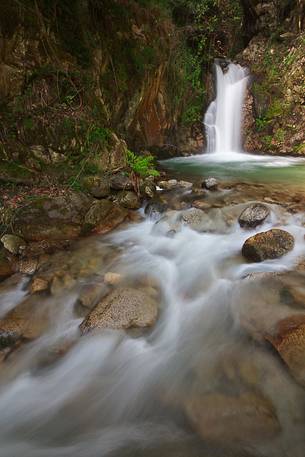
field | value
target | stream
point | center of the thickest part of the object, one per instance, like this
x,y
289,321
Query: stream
x,y
200,382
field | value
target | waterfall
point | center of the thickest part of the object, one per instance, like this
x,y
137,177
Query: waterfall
x,y
223,118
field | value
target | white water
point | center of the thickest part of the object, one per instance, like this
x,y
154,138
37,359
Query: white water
x,y
114,394
223,118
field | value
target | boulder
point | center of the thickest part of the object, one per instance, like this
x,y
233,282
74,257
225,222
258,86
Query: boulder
x,y
120,182
267,245
104,215
14,244
123,308
129,199
97,186
168,185
210,184
289,341
253,215
46,218
244,418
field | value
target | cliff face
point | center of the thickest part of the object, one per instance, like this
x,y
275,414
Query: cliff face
x,y
275,111
76,75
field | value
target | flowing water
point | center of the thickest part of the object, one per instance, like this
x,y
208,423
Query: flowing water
x,y
196,384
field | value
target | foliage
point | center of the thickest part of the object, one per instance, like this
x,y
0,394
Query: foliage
x,y
141,166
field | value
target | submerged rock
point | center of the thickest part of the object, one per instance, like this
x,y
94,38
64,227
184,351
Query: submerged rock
x,y
154,209
289,341
253,215
210,184
14,244
246,418
267,245
122,309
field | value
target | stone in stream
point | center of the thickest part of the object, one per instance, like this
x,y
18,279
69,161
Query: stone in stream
x,y
123,308
155,208
210,184
288,339
168,185
120,182
244,418
253,215
267,245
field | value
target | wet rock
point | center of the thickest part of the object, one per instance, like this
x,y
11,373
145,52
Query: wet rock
x,y
59,218
267,245
200,204
104,216
289,341
39,285
7,339
14,244
97,186
194,218
253,215
185,184
154,209
28,266
91,294
112,278
123,308
129,199
245,418
168,185
28,319
121,182
210,184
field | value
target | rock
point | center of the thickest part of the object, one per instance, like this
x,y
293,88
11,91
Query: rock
x,y
97,186
185,184
129,199
6,269
7,338
122,309
56,219
267,245
148,189
121,182
245,418
289,341
112,278
28,266
194,218
14,244
39,285
168,185
92,294
253,215
210,184
29,319
199,204
154,209
104,215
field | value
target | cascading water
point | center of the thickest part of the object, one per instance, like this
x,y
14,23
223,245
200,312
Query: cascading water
x,y
223,119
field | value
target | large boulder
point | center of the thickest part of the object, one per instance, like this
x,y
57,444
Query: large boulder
x,y
267,245
123,308
59,218
253,215
104,215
